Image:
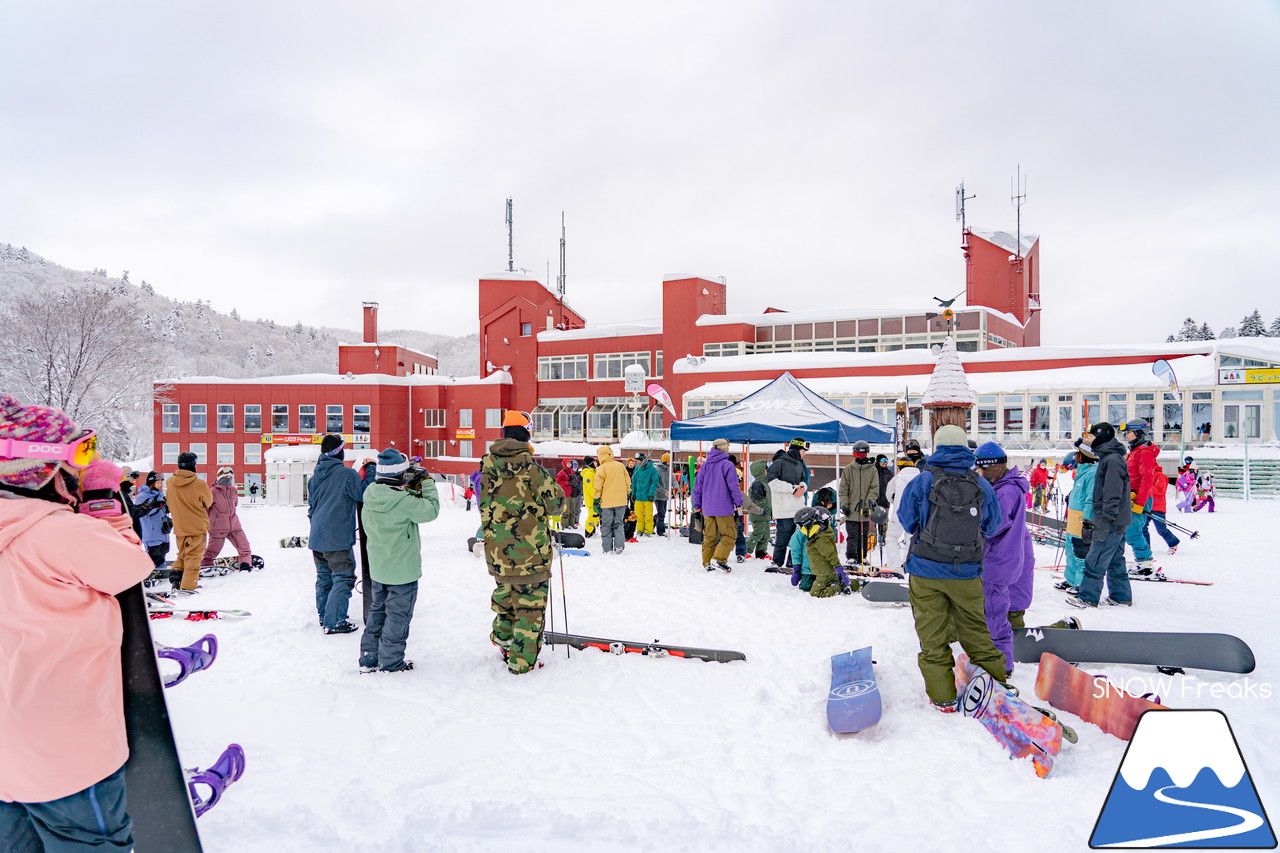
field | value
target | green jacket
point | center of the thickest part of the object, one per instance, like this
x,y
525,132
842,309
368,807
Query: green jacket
x,y
644,482
391,517
859,489
759,469
517,499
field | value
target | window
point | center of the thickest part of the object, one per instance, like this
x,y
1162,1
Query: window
x,y
526,329
552,367
1230,420
611,365
1092,406
433,417
1253,421
226,417
572,420
987,415
493,418
199,417
464,449
307,417
226,453
464,419
657,367
201,451
966,346
360,420
1171,416
1039,415
170,417
279,418
252,453
1064,422
1013,416
600,418
695,408
333,421
253,418
432,449
1117,408
1202,414
169,454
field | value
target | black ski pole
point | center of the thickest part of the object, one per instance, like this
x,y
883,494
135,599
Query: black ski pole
x,y
564,601
1194,534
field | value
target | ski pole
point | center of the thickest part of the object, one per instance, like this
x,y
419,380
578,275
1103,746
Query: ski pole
x,y
564,602
1194,534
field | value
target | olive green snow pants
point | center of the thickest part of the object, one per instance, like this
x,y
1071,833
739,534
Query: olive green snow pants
x,y
947,608
758,541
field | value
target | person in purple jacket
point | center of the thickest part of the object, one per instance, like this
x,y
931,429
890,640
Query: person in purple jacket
x,y
1008,548
475,485
717,495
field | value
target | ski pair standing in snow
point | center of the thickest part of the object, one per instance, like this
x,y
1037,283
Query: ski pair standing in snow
x,y
717,496
1009,556
948,510
66,549
224,523
1112,513
333,492
517,500
401,498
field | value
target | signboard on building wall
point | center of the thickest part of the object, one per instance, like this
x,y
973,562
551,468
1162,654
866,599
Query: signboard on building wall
x,y
465,433
1248,376
312,438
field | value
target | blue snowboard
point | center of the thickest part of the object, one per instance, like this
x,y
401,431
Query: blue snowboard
x,y
854,701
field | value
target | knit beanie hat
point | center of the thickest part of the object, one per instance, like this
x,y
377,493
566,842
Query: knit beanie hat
x,y
391,464
1085,449
36,424
332,445
721,443
1102,432
187,461
991,453
515,425
225,471
666,457
950,436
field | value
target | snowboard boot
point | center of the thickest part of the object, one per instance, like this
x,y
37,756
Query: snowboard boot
x,y
1069,623
721,565
1077,601
1111,602
1145,567
245,567
709,567
742,558
343,627
945,707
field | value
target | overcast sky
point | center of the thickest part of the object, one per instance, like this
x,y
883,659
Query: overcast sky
x,y
292,159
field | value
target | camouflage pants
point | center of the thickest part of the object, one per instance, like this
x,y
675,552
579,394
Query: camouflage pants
x,y
517,627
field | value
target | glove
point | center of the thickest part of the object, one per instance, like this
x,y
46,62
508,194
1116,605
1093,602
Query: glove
x,y
1138,509
795,576
846,588
100,490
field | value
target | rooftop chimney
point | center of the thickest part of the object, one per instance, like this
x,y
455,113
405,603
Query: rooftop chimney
x,y
370,322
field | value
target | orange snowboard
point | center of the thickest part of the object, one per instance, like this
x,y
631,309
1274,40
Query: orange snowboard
x,y
1093,699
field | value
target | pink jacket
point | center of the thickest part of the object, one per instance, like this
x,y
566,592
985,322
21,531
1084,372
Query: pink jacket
x,y
61,696
222,512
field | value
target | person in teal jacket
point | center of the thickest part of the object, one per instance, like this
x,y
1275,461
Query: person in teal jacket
x,y
1081,500
399,500
801,574
644,486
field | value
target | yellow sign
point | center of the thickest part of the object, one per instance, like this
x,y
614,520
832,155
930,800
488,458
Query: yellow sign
x,y
1249,376
465,433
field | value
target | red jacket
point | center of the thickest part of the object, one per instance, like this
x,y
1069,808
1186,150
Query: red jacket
x,y
1158,503
1142,471
1039,477
564,477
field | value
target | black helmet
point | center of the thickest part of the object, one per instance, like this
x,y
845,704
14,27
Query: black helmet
x,y
912,444
821,516
861,447
805,515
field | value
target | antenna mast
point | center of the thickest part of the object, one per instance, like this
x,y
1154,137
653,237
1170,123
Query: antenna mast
x,y
1019,197
511,257
961,198
560,281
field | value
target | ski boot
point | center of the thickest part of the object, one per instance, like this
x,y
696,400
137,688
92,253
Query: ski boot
x,y
1144,569
227,769
191,659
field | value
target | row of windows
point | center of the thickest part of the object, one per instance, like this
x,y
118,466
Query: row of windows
x,y
965,342
871,326
335,419
251,453
611,365
436,418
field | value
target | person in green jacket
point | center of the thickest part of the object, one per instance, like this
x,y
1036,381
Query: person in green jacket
x,y
399,500
1079,503
821,552
759,506
644,486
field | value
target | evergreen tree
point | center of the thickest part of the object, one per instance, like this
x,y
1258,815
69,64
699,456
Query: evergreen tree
x,y
1189,331
1206,334
1252,326
1274,331
235,315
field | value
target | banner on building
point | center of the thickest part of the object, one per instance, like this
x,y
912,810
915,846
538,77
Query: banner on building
x,y
274,438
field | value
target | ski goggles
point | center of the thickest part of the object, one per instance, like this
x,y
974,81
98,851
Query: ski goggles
x,y
80,452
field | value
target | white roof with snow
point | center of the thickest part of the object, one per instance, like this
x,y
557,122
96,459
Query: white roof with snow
x,y
1007,241
498,377
611,330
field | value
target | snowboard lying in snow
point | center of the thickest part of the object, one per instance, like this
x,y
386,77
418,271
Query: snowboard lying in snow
x,y
1220,652
656,649
294,542
1092,698
853,703
887,590
1023,730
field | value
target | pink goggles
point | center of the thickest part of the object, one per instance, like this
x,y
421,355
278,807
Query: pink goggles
x,y
78,453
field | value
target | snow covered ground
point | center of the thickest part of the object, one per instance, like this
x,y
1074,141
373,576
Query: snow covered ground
x,y
602,753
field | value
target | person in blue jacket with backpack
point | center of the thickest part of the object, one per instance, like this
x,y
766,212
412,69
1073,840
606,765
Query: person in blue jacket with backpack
x,y
948,511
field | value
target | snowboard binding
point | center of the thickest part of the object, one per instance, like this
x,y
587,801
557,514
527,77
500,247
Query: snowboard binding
x,y
198,656
217,778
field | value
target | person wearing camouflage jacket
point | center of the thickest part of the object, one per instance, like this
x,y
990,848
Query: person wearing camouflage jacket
x,y
517,499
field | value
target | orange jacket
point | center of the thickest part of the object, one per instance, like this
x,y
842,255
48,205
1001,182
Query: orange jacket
x,y
189,500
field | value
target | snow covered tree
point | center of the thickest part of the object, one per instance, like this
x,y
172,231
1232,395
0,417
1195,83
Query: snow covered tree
x,y
1252,326
1206,334
1189,331
235,315
1274,331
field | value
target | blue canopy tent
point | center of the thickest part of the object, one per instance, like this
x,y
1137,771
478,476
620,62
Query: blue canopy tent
x,y
780,411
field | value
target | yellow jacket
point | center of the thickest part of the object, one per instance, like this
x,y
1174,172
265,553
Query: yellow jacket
x,y
612,482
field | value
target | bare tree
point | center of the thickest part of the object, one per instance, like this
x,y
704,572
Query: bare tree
x,y
86,353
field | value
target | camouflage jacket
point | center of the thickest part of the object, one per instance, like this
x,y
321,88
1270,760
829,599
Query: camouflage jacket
x,y
516,499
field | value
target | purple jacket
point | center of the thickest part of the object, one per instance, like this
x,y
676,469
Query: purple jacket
x,y
1009,548
716,491
475,484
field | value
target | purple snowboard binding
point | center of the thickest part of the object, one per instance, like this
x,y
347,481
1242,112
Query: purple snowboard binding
x,y
193,658
227,769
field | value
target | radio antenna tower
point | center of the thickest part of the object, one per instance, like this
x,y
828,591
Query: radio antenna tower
x,y
511,256
560,280
961,198
1018,198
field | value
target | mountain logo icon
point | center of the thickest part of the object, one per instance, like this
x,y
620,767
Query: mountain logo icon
x,y
1183,783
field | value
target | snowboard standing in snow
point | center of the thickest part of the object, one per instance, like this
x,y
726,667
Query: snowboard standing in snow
x,y
853,703
158,800
1220,652
553,638
1023,730
1091,697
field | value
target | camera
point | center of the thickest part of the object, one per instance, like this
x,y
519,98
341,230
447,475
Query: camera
x,y
413,477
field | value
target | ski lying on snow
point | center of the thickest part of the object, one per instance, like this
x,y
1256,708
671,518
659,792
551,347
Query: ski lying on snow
x,y
554,638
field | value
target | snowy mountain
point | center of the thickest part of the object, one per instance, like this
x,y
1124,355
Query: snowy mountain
x,y
1183,744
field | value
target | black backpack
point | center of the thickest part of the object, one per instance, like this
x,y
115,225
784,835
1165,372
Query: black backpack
x,y
953,532
756,491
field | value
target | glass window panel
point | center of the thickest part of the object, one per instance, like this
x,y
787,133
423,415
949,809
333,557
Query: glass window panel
x,y
226,453
986,420
846,328
199,417
253,417
226,417
307,418
333,420
360,418
824,330
1253,421
782,333
170,417
169,454
802,331
1065,430
252,453
279,418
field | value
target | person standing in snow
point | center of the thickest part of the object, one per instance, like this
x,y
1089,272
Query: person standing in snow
x,y
1186,485
587,471
717,496
333,493
520,500
253,493
1142,479
1079,528
1159,508
153,516
1112,511
224,523
895,546
661,495
401,498
612,484
948,510
571,485
189,500
759,509
1009,550
644,486
787,478
859,493
67,548
1039,483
